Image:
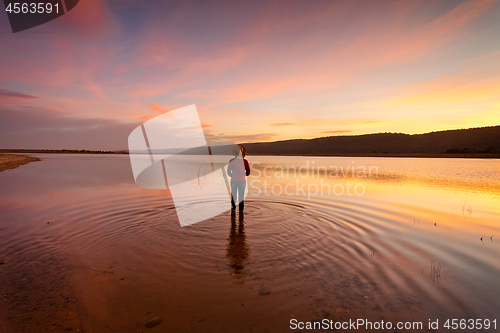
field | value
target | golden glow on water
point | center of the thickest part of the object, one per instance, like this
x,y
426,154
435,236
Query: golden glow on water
x,y
422,189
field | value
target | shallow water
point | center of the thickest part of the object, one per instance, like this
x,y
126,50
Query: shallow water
x,y
401,244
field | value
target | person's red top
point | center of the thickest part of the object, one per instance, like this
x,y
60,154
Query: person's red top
x,y
237,169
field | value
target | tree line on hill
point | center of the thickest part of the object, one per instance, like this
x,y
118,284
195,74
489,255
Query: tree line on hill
x,y
485,140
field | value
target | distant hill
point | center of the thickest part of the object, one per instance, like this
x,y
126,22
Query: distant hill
x,y
484,140
472,142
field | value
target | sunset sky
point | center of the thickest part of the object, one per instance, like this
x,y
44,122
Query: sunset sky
x,y
256,70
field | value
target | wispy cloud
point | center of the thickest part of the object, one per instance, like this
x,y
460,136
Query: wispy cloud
x,y
157,108
336,132
15,94
38,128
241,138
282,124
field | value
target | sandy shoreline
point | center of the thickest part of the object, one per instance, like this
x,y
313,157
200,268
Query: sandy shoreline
x,y
36,293
9,161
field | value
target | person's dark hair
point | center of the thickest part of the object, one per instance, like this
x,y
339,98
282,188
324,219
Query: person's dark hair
x,y
237,148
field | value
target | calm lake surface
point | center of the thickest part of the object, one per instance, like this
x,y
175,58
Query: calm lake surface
x,y
390,239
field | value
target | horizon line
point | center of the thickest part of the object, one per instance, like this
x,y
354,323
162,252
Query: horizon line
x,y
257,142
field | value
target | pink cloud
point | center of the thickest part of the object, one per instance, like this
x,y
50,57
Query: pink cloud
x,y
90,19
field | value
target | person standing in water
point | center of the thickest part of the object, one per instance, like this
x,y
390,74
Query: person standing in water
x,y
238,168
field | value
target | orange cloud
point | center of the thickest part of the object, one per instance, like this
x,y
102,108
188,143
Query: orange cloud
x,y
157,108
282,124
238,138
337,132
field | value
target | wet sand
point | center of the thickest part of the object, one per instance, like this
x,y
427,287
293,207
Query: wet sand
x,y
9,161
36,295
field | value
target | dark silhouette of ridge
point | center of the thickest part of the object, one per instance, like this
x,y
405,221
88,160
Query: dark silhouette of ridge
x,y
472,142
483,140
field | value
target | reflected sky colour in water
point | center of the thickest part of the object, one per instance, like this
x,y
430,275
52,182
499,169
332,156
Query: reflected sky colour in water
x,y
421,242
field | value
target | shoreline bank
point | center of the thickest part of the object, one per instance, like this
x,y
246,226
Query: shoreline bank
x,y
9,161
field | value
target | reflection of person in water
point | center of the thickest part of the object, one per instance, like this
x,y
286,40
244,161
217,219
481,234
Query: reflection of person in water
x,y
237,250
238,169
